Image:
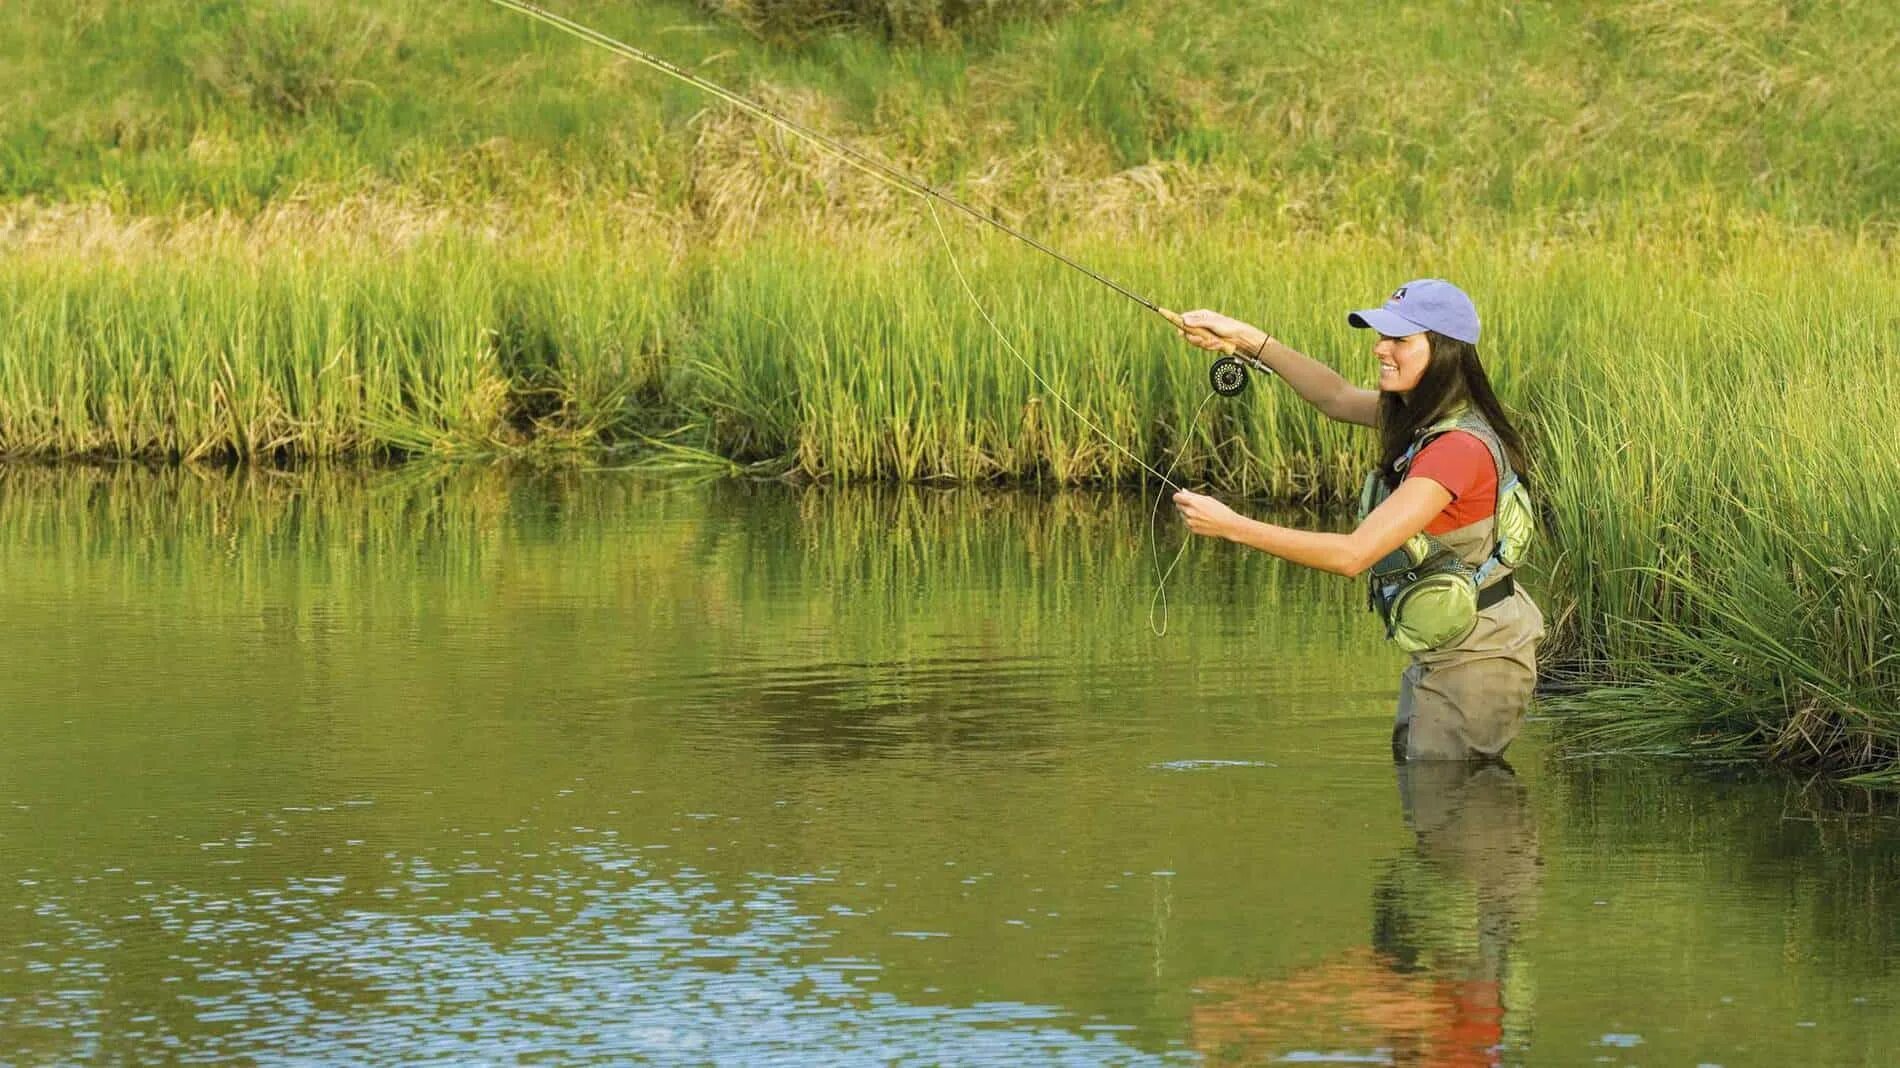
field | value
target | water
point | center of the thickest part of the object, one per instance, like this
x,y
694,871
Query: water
x,y
475,766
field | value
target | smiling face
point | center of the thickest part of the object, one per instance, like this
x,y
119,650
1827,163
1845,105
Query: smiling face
x,y
1402,361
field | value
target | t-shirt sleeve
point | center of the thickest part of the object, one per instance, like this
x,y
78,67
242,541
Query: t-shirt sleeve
x,y
1458,461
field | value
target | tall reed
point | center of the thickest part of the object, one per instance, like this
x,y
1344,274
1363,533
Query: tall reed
x,y
219,350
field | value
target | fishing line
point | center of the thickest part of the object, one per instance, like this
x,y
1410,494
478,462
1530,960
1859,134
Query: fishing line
x,y
1228,375
950,251
1158,604
870,165
1154,539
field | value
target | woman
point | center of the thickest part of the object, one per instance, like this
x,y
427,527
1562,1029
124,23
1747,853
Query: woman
x,y
1446,450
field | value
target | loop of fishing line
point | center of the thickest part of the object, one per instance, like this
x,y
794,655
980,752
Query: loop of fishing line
x,y
968,290
1160,599
1154,539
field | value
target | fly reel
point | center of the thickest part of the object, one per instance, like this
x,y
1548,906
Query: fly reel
x,y
1228,376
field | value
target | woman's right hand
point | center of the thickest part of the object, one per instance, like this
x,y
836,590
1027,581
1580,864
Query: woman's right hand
x,y
1213,331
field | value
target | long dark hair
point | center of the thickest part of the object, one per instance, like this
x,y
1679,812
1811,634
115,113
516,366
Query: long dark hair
x,y
1453,376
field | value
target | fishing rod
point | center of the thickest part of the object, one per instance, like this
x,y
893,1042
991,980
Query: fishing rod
x,y
1228,375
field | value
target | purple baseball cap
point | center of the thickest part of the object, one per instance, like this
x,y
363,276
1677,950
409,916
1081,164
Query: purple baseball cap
x,y
1423,304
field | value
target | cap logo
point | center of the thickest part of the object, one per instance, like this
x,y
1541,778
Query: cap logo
x,y
1398,294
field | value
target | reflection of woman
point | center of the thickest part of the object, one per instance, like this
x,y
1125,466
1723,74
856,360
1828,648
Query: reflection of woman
x,y
1440,983
1448,470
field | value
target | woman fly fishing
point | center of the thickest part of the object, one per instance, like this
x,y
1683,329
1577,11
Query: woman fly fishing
x,y
1443,520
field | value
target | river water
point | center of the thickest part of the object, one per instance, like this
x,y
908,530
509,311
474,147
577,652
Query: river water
x,y
474,765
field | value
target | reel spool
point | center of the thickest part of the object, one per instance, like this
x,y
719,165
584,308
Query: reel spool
x,y
1228,376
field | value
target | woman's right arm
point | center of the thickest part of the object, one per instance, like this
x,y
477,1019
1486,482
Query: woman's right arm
x,y
1317,384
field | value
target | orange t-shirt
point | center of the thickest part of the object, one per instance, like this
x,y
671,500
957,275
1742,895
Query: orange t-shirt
x,y
1459,461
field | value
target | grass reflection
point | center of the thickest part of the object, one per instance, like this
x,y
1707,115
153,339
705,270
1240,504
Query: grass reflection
x,y
285,750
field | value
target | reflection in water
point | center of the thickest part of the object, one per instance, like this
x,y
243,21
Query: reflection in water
x,y
1438,983
459,764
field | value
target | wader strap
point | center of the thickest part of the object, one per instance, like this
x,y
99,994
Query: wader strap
x,y
1474,424
1495,592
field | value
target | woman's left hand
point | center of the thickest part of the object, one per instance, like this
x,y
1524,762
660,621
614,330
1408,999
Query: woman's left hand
x,y
1205,515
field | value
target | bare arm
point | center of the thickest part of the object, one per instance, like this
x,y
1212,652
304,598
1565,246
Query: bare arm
x,y
1403,514
1321,386
1317,384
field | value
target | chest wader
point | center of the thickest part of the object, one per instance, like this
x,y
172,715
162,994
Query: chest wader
x,y
1450,601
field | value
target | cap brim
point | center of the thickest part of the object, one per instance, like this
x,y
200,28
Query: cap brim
x,y
1391,324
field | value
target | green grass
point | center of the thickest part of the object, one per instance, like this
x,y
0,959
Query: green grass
x,y
214,347
1557,114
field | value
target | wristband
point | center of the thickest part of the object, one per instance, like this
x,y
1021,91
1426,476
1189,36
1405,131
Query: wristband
x,y
1257,361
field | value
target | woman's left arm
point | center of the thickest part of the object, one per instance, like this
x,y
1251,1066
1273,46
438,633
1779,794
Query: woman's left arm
x,y
1415,503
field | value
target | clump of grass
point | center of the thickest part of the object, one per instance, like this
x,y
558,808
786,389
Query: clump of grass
x,y
1754,608
452,346
291,58
1779,646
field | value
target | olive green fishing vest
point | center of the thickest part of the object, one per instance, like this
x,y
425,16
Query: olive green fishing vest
x,y
1423,615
